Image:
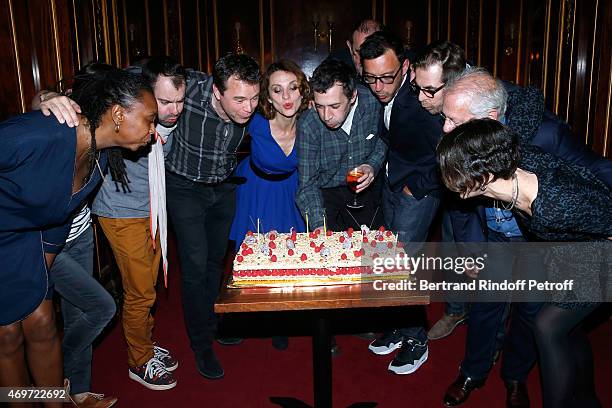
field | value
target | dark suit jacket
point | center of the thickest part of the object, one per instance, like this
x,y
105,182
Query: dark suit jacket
x,y
412,137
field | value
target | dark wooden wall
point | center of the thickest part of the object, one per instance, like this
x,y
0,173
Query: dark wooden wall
x,y
561,46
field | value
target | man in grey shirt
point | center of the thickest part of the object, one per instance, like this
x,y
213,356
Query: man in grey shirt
x,y
124,213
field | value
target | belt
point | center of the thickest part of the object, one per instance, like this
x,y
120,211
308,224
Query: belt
x,y
267,176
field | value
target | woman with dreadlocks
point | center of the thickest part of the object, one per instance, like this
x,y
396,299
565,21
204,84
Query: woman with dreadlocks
x,y
46,172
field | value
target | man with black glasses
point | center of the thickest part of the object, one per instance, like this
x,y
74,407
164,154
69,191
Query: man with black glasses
x,y
440,63
411,195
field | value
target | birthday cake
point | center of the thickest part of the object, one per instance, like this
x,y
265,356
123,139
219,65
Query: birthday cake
x,y
316,258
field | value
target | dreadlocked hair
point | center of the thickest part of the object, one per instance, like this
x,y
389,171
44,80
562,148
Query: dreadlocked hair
x,y
97,93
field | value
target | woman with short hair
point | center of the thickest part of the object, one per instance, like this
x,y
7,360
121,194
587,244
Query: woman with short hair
x,y
555,201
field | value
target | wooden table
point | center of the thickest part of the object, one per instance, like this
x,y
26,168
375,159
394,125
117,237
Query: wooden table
x,y
321,298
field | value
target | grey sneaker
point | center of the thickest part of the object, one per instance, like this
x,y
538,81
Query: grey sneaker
x,y
446,325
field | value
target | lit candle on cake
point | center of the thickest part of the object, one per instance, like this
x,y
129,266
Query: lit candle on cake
x,y
324,225
306,214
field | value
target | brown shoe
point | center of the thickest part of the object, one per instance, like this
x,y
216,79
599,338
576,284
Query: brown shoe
x,y
516,395
94,401
446,325
459,391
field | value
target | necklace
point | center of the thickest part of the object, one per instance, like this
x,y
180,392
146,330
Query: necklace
x,y
499,217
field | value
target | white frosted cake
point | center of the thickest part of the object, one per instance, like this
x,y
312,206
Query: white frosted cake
x,y
317,258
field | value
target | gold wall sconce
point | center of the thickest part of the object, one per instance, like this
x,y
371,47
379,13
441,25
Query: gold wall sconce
x,y
237,46
321,34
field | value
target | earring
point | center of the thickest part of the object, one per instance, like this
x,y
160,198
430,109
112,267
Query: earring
x,y
483,187
116,128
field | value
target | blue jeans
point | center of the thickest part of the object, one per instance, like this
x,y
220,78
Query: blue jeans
x,y
411,219
86,306
201,215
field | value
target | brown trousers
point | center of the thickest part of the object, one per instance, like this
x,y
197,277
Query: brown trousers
x,y
138,262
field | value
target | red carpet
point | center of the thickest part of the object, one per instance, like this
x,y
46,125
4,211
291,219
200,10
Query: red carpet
x,y
255,371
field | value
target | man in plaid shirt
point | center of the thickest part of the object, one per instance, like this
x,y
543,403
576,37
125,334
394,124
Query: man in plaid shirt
x,y
343,133
201,197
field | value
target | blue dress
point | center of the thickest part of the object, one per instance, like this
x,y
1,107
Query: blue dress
x,y
37,162
269,193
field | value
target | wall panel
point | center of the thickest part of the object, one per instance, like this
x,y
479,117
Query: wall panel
x,y
12,98
294,33
409,20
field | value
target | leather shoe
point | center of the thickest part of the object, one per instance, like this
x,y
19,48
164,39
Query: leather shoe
x,y
516,395
459,391
445,326
209,366
92,400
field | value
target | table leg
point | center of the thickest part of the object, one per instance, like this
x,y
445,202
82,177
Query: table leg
x,y
321,363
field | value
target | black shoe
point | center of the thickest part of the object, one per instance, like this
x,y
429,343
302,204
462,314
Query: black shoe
x,y
280,342
209,366
516,395
459,391
411,356
229,341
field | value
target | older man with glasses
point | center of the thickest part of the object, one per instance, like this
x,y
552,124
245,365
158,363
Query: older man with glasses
x,y
411,195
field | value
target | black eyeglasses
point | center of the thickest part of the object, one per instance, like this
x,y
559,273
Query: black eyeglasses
x,y
385,79
430,93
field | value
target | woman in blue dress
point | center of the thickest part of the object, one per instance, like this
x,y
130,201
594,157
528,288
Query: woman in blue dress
x,y
268,196
271,170
47,170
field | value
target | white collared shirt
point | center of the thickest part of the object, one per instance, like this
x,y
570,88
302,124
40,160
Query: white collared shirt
x,y
389,106
348,122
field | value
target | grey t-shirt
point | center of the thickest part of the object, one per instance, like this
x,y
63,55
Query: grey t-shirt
x,y
111,203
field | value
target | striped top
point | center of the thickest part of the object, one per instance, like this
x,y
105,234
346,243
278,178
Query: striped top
x,y
80,223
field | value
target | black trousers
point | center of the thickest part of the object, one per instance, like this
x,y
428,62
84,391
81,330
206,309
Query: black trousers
x,y
339,217
201,215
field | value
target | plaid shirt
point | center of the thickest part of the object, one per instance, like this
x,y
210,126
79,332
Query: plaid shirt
x,y
204,145
325,156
